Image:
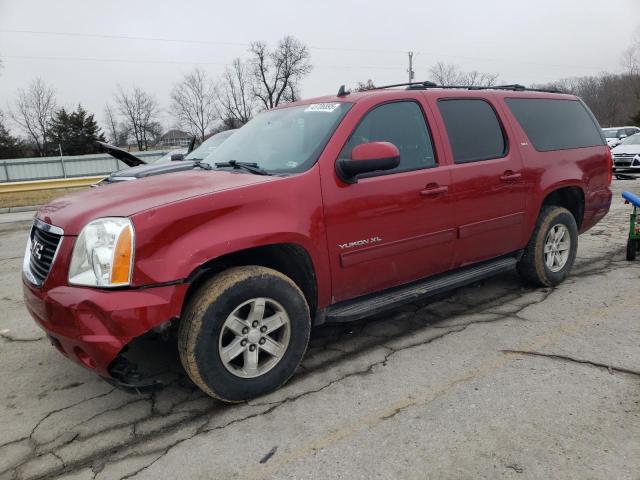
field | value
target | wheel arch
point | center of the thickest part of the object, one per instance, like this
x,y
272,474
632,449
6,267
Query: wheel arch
x,y
290,259
571,197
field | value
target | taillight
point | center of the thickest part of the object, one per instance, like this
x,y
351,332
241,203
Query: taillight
x,y
610,162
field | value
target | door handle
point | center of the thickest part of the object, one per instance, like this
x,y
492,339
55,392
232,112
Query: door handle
x,y
433,189
510,176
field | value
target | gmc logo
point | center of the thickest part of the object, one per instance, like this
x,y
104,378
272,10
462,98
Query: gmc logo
x,y
36,249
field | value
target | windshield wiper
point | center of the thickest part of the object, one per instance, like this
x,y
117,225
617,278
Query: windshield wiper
x,y
248,166
197,162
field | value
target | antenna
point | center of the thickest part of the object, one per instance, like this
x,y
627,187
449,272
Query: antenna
x,y
342,91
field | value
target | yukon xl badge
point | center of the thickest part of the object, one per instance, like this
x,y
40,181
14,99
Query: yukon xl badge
x,y
359,243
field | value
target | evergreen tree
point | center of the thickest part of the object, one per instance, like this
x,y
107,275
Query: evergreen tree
x,y
10,146
635,120
76,132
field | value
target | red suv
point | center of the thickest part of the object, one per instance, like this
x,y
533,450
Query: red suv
x,y
324,210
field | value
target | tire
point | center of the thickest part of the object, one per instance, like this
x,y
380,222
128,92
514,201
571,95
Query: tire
x,y
533,266
205,336
632,247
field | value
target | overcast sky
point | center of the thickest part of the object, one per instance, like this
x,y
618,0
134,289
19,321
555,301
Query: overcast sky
x,y
531,41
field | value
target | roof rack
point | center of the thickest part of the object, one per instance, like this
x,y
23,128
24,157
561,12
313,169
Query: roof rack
x,y
427,84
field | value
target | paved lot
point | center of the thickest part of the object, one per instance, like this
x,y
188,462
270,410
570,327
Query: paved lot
x,y
497,380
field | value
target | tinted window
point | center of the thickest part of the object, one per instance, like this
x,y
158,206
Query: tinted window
x,y
473,129
555,124
401,123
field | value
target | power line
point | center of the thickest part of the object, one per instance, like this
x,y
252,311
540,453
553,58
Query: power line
x,y
179,62
177,40
240,44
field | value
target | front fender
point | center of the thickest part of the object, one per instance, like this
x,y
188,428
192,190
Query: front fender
x,y
174,240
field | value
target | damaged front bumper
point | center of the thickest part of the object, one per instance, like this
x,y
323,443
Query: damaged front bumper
x,y
92,326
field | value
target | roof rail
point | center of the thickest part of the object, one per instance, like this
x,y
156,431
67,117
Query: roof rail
x,y
427,84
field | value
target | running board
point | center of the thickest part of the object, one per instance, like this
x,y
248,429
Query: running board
x,y
388,299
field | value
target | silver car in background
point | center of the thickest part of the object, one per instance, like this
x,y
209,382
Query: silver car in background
x,y
626,156
616,135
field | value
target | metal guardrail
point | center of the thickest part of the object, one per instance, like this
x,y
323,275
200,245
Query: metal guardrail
x,y
49,184
45,168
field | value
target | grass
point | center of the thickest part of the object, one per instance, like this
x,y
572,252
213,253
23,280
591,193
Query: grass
x,y
37,197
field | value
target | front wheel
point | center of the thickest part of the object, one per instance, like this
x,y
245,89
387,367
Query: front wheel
x,y
551,251
244,333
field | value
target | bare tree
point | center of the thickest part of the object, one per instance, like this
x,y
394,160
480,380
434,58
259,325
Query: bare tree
x,y
631,56
140,111
445,74
479,79
277,72
236,102
364,86
193,102
613,98
448,74
34,108
113,132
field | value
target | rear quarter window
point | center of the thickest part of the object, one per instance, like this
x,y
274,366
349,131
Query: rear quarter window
x,y
554,124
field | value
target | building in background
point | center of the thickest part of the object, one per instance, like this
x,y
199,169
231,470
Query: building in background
x,y
174,138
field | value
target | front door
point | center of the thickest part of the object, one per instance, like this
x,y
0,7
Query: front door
x,y
395,226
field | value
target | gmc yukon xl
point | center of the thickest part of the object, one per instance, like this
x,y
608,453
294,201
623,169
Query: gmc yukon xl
x,y
323,210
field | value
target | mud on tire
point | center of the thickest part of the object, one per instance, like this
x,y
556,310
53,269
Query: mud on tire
x,y
534,266
207,321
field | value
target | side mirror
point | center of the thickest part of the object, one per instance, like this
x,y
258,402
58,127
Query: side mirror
x,y
176,157
622,136
368,157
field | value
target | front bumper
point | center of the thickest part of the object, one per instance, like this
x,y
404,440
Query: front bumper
x,y
91,326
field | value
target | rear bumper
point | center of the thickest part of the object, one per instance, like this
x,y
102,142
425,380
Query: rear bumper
x,y
91,326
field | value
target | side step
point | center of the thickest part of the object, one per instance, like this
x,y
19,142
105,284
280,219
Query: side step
x,y
388,299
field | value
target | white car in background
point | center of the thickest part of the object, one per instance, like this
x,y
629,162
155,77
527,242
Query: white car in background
x,y
626,156
616,135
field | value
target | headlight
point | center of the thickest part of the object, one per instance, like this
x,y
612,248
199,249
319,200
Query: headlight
x,y
103,254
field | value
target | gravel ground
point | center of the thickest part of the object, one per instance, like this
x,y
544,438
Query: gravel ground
x,y
497,380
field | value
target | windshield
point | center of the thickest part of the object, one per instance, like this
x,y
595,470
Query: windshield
x,y
611,132
166,158
632,140
209,145
286,140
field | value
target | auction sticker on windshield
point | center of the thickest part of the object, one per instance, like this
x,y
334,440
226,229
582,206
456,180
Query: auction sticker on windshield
x,y
322,107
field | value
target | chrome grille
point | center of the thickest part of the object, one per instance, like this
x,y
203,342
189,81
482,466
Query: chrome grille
x,y
43,244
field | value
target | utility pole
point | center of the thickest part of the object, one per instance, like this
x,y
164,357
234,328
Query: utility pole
x,y
410,69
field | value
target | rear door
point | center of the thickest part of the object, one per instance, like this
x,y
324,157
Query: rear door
x,y
487,179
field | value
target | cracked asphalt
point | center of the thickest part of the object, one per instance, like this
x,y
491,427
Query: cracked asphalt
x,y
496,380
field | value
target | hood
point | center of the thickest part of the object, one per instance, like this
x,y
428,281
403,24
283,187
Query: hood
x,y
122,155
123,199
149,171
633,149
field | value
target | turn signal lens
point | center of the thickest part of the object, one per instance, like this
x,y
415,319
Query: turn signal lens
x,y
121,270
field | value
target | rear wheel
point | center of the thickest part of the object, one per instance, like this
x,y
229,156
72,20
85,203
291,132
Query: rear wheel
x,y
244,333
551,251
